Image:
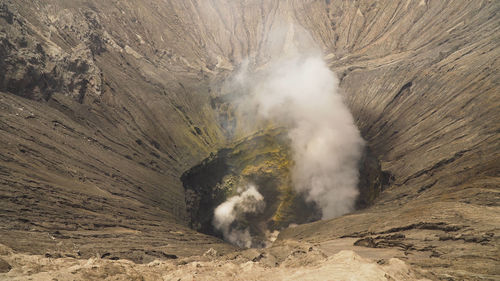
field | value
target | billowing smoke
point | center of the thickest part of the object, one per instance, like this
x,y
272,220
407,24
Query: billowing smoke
x,y
228,214
302,93
298,90
291,86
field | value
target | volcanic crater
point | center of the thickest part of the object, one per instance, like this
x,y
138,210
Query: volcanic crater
x,y
118,140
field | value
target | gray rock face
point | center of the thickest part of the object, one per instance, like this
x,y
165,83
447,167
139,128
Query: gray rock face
x,y
105,104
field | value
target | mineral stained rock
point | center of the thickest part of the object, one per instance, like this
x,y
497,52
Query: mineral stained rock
x,y
105,104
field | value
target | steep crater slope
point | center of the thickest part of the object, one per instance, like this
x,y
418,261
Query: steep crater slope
x,y
105,105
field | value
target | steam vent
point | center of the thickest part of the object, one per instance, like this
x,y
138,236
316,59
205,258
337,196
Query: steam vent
x,y
249,140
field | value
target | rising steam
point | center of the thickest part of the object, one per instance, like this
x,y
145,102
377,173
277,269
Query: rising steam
x,y
302,93
326,145
297,90
227,214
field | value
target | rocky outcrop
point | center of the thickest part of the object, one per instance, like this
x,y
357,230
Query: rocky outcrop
x,y
33,68
105,104
278,263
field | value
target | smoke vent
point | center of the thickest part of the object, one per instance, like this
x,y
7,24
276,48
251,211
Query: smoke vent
x,y
261,161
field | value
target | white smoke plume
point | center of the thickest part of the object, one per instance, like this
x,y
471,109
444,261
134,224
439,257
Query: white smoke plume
x,y
249,201
298,90
290,85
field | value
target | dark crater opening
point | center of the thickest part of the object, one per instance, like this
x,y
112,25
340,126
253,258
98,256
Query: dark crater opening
x,y
263,159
